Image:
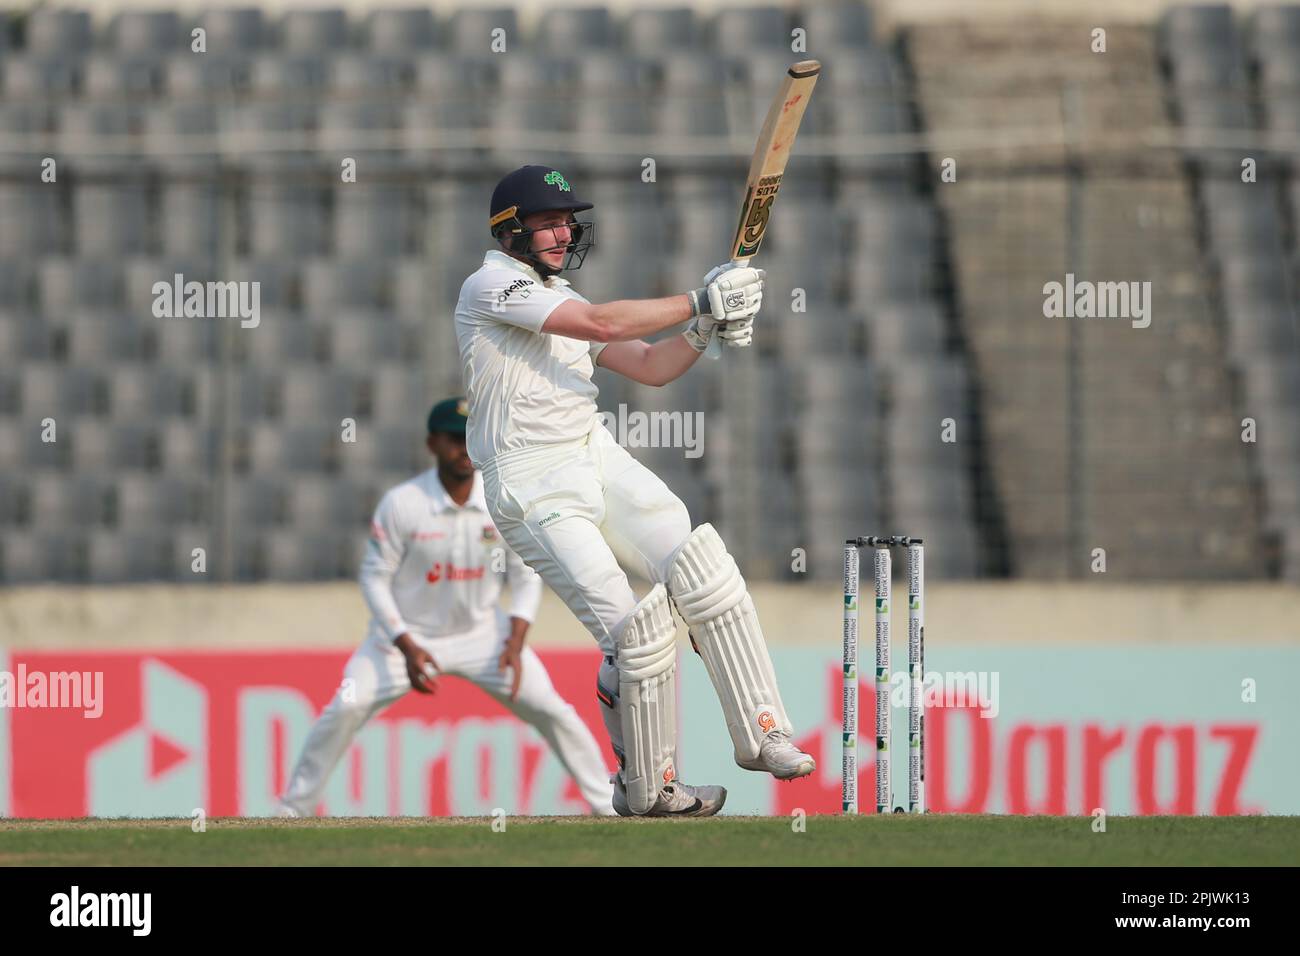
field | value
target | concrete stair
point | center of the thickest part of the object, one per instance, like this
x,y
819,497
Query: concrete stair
x,y
1097,434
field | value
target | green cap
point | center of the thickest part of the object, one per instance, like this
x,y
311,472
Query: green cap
x,y
449,415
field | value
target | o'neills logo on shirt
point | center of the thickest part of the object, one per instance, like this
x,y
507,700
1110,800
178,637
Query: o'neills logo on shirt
x,y
513,288
449,572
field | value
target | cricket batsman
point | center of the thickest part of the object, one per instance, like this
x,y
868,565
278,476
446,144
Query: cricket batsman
x,y
432,576
574,504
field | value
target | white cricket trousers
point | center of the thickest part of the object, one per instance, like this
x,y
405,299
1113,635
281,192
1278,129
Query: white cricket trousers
x,y
378,672
572,511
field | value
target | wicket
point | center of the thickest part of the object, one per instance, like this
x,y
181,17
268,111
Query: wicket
x,y
915,667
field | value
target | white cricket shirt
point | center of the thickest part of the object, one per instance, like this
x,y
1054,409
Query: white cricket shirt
x,y
428,566
525,387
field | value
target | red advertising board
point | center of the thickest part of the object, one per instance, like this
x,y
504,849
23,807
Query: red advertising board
x,y
220,733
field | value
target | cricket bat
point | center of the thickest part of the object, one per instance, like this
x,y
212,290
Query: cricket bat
x,y
771,153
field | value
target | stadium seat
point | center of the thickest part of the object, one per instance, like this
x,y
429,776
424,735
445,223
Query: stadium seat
x,y
258,501
1255,330
901,223
137,394
189,448
26,557
800,334
111,219
311,394
315,502
279,450
59,31
287,218
205,76
1249,278
1275,30
59,502
369,76
379,450
279,280
70,284
101,446
471,29
400,30
376,219
234,31
15,495
289,75
120,78
832,388
35,455
314,30
745,30
190,214
540,75
359,340
98,337
34,77
827,490
899,331
840,22
882,116
148,555
140,502
294,556
465,75
929,491
816,447
57,390
282,338
25,335
1240,219
414,294
139,275
943,383
1195,25
575,29
138,31
333,285
654,31
952,547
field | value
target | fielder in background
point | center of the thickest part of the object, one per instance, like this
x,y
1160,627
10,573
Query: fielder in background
x,y
432,577
574,504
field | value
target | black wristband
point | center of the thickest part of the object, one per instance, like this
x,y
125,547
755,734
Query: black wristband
x,y
699,298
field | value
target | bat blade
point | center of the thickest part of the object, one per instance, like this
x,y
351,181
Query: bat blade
x,y
771,154
767,167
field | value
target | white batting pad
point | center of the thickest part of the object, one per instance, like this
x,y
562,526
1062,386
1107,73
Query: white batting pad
x,y
647,699
713,599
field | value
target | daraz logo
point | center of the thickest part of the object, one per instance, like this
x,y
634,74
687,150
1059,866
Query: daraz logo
x,y
555,179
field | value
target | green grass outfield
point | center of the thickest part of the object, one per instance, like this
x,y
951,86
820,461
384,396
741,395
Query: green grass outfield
x,y
898,840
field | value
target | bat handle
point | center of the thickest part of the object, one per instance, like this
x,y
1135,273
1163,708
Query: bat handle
x,y
714,351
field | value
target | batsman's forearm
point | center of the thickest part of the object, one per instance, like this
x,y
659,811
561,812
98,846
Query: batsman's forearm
x,y
629,319
668,359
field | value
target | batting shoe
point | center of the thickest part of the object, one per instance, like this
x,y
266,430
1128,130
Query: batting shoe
x,y
676,799
779,757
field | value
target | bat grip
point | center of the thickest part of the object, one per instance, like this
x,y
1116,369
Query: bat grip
x,y
714,351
